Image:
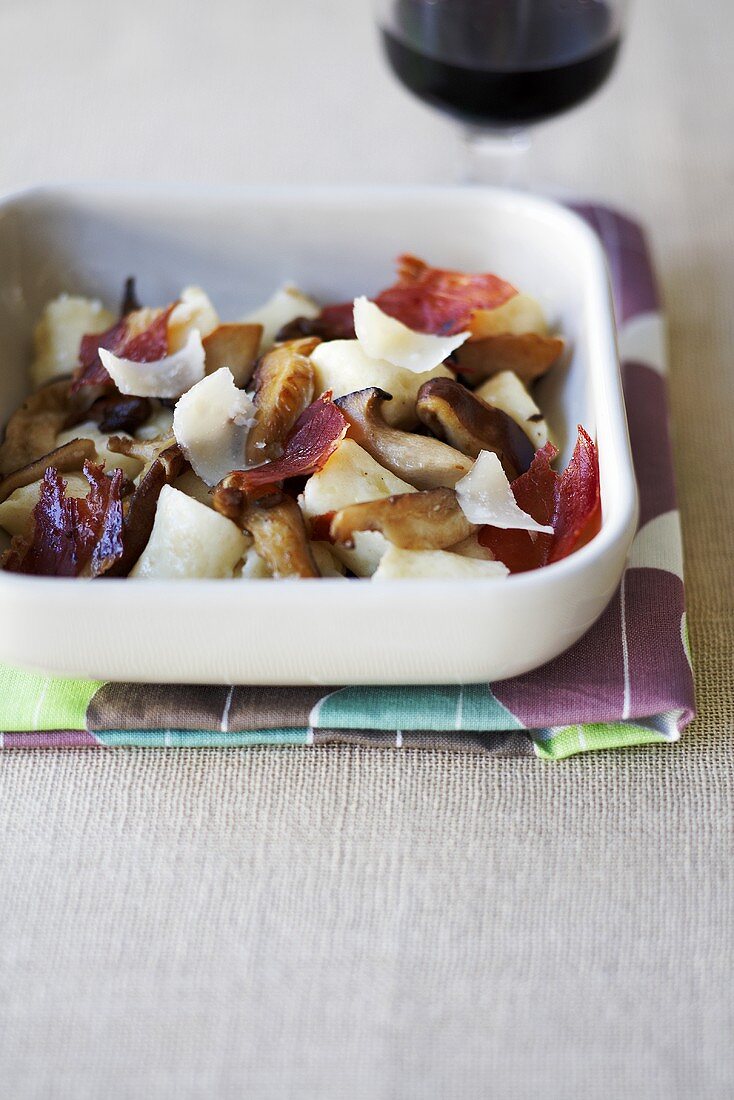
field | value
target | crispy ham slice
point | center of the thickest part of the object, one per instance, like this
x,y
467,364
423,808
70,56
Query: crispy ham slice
x,y
577,513
316,434
140,336
534,492
426,299
569,502
72,536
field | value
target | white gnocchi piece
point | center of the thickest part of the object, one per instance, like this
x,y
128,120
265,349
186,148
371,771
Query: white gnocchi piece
x,y
158,425
517,316
343,366
327,563
505,391
471,547
384,337
284,306
351,476
400,564
254,568
189,540
16,513
130,466
194,487
194,310
58,334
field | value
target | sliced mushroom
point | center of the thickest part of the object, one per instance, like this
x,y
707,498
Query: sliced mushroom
x,y
276,524
430,520
234,346
116,412
71,456
454,413
284,387
528,354
424,462
32,429
141,508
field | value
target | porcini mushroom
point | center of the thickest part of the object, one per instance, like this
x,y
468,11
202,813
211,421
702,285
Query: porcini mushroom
x,y
420,460
71,456
284,387
528,354
429,520
32,429
467,423
143,450
140,510
234,346
276,524
115,412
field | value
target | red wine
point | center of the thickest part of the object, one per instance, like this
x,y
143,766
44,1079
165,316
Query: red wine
x,y
475,60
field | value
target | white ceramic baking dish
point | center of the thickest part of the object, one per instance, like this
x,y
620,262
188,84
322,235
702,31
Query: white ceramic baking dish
x,y
241,244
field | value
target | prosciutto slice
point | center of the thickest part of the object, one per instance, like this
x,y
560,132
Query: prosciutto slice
x,y
315,436
570,502
124,341
72,537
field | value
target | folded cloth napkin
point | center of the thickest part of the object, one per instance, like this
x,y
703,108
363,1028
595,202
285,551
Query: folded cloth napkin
x,y
627,682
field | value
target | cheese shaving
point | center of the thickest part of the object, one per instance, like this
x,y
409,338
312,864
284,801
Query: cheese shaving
x,y
211,423
168,377
382,337
485,497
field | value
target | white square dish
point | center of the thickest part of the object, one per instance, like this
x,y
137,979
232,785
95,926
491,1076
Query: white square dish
x,y
335,243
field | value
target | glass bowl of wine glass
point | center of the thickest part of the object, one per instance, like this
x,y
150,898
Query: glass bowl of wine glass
x,y
501,66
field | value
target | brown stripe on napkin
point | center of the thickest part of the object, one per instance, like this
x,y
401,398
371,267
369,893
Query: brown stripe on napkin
x,y
201,707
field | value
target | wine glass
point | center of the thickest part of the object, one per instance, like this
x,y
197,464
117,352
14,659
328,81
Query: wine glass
x,y
500,66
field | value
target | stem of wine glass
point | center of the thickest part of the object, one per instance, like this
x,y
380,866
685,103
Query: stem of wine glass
x,y
495,156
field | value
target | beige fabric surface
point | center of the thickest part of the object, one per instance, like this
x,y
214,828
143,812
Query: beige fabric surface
x,y
346,923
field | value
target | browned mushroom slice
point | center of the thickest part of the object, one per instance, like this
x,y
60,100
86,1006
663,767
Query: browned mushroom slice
x,y
141,507
284,387
145,450
234,346
71,456
454,413
421,461
32,429
276,524
114,412
229,498
430,520
528,354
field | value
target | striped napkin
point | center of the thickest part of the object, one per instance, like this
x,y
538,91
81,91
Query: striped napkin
x,y
627,682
